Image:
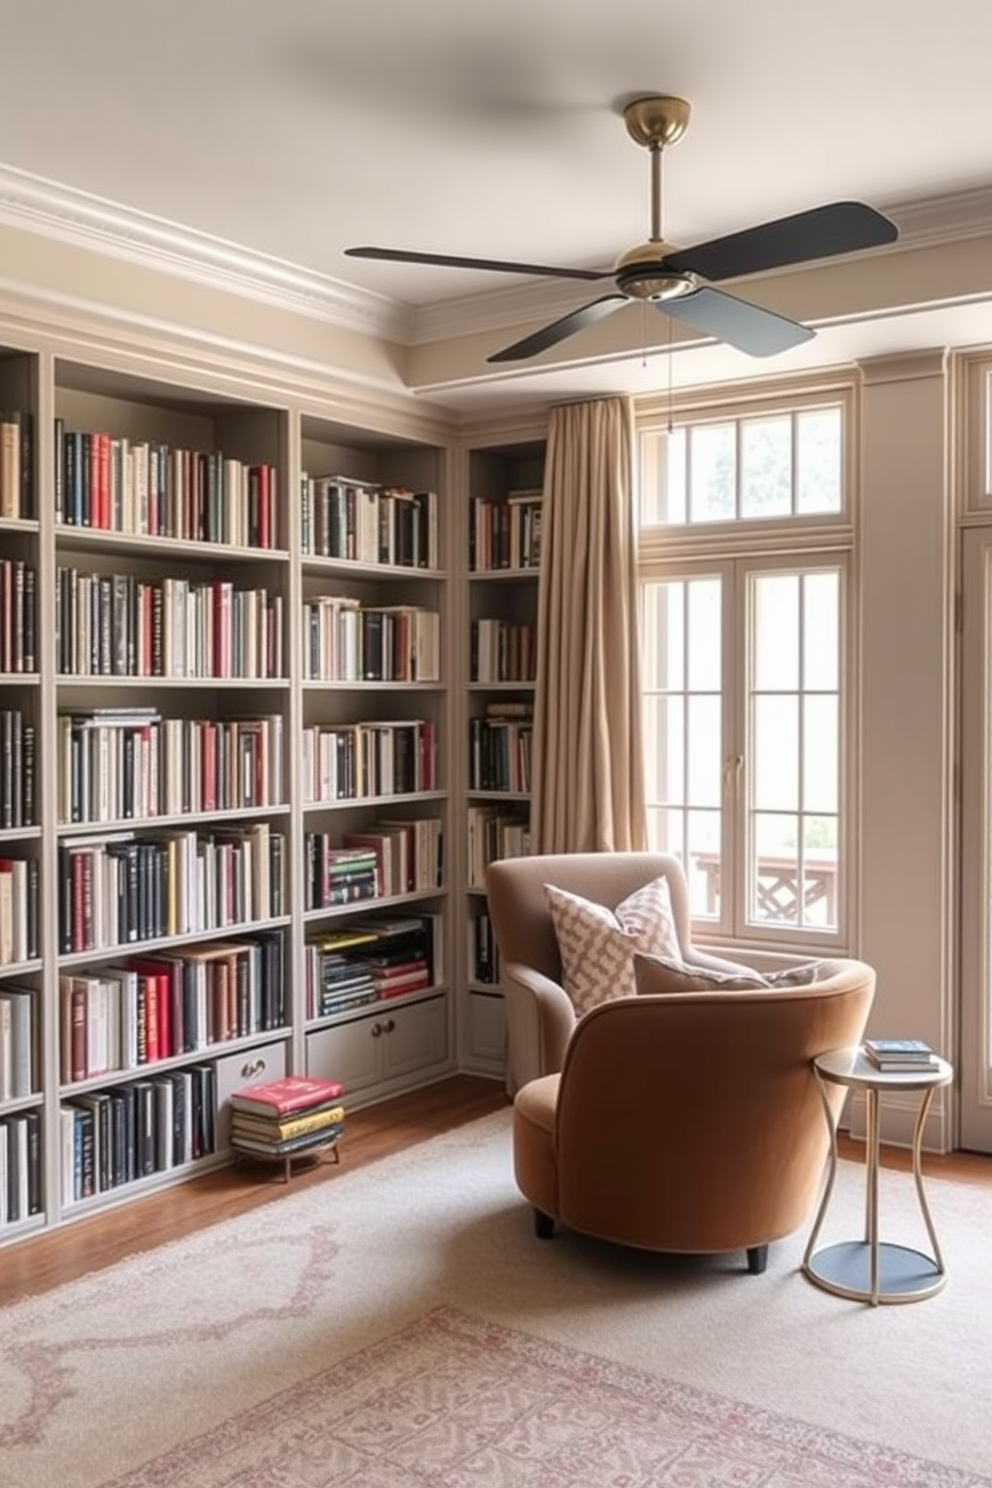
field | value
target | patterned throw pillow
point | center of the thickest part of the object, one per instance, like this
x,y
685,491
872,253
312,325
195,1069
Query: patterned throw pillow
x,y
597,944
661,974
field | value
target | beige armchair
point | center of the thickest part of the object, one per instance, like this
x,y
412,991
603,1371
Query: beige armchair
x,y
689,1121
540,1016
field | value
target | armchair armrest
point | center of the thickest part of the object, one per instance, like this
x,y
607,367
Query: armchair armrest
x,y
539,1021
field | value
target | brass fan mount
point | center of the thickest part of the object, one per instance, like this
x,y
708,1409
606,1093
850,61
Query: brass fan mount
x,y
656,120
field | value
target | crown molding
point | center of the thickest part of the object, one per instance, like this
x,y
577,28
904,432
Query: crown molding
x,y
82,220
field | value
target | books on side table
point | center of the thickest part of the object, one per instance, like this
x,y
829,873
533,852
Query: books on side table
x,y
905,1055
286,1118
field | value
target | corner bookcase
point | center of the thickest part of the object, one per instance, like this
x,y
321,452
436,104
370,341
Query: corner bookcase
x,y
503,557
226,720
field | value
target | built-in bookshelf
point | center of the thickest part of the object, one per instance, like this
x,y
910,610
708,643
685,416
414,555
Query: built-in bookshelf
x,y
503,559
225,722
374,701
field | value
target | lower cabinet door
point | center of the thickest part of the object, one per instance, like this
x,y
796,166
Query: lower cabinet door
x,y
235,1071
382,1049
414,1038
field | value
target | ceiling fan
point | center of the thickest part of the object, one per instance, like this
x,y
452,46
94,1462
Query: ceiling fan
x,y
670,277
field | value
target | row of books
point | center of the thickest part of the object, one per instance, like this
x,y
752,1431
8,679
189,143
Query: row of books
x,y
348,762
146,487
16,465
119,763
113,1137
17,760
368,523
122,889
19,910
500,754
370,960
494,832
121,625
17,1042
18,616
502,651
286,1117
158,1007
389,858
345,641
20,1167
505,534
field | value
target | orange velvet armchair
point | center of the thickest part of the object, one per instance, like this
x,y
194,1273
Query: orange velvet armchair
x,y
689,1121
675,1121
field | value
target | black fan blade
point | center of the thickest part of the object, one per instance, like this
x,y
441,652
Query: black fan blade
x,y
748,327
558,330
497,265
839,227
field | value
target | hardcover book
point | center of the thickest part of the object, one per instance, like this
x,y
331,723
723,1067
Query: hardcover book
x,y
285,1096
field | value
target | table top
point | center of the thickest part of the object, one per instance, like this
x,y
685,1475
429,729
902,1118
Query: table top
x,y
853,1068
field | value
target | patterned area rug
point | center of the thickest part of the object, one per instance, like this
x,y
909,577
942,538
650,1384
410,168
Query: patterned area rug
x,y
456,1402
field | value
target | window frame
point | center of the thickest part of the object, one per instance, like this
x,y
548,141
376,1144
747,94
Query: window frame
x,y
736,551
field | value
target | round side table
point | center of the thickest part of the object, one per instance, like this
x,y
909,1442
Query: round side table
x,y
872,1270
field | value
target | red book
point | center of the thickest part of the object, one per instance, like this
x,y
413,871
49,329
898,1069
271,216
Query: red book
x,y
283,1097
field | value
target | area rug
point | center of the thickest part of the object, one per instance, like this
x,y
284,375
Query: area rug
x,y
400,1326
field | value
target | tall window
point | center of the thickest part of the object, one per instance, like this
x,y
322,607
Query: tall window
x,y
744,596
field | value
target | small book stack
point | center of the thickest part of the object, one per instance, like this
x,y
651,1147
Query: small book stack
x,y
900,1055
286,1118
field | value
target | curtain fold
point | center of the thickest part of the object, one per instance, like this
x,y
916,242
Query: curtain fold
x,y
588,790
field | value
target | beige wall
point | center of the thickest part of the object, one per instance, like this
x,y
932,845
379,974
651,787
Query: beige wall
x,y
905,551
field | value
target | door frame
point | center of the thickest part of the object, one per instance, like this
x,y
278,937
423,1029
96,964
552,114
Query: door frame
x,y
975,862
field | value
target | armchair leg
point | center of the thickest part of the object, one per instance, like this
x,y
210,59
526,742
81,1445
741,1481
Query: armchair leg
x,y
544,1225
757,1259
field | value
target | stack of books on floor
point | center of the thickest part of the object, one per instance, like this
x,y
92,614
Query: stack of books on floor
x,y
905,1055
287,1117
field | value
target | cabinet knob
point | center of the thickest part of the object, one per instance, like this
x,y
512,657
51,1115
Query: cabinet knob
x,y
377,1030
388,1026
252,1068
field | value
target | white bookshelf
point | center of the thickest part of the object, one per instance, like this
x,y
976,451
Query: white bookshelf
x,y
247,415
503,560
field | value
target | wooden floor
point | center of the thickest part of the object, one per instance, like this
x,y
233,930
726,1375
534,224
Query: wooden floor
x,y
35,1265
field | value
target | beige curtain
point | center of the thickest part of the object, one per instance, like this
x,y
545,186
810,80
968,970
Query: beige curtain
x,y
588,792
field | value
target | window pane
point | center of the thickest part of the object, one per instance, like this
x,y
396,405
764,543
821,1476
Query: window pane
x,y
704,752
662,477
820,744
820,871
818,460
774,873
703,865
776,632
704,630
766,467
664,749
663,608
775,752
713,473
821,631
666,831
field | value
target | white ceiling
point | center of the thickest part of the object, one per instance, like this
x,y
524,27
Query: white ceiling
x,y
294,128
